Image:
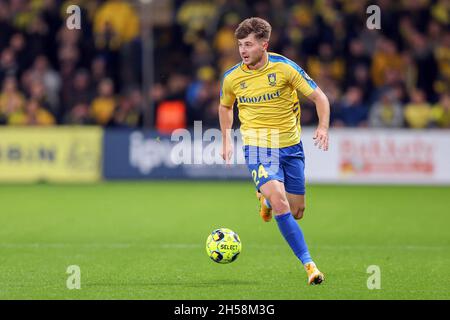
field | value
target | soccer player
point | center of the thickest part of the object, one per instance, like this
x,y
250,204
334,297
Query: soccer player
x,y
265,86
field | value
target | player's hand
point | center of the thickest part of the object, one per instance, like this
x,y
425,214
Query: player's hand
x,y
227,151
321,138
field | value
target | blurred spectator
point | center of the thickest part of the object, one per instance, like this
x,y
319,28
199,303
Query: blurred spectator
x,y
418,111
442,55
5,24
103,106
176,86
441,111
386,58
200,92
441,12
98,71
326,62
79,115
11,100
115,23
351,111
409,71
38,93
38,35
356,58
157,93
8,65
202,55
129,111
359,76
33,115
425,62
196,16
68,57
127,114
51,80
387,112
21,13
224,41
81,92
18,45
209,116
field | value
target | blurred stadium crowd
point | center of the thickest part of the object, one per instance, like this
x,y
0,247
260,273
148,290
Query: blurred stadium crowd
x,y
398,76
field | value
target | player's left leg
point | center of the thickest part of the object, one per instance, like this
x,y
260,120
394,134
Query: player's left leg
x,y
293,163
297,204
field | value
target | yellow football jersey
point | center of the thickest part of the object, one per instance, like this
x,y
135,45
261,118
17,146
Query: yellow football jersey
x,y
267,99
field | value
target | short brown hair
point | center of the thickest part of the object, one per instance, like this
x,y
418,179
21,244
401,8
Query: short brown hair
x,y
260,27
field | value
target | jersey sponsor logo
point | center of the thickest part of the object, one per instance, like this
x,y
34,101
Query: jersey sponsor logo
x,y
243,85
272,77
261,98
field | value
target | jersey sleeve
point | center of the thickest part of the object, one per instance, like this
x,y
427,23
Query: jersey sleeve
x,y
227,96
300,80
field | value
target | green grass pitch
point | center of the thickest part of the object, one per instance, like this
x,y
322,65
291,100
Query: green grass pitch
x,y
146,240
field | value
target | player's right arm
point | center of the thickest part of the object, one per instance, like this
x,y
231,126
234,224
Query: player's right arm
x,y
227,99
226,122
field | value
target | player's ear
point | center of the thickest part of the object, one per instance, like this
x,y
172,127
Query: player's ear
x,y
265,44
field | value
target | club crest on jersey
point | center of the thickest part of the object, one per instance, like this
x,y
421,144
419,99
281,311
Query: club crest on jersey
x,y
272,77
243,85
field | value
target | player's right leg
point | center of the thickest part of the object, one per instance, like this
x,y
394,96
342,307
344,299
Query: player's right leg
x,y
263,165
274,192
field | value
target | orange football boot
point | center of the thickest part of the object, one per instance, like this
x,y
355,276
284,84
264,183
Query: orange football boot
x,y
264,211
314,274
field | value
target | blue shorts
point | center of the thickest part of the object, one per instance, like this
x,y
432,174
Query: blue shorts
x,y
284,164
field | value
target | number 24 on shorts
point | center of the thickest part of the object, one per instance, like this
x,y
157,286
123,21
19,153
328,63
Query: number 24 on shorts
x,y
262,173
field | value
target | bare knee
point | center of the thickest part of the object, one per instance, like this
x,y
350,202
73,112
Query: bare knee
x,y
279,203
298,212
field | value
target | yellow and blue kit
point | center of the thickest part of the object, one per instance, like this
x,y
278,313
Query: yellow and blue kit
x,y
269,112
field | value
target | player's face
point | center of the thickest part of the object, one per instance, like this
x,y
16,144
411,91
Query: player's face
x,y
251,49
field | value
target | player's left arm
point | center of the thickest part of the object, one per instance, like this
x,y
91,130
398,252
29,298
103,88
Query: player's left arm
x,y
300,81
323,111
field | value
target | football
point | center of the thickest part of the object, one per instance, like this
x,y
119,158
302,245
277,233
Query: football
x,y
223,245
